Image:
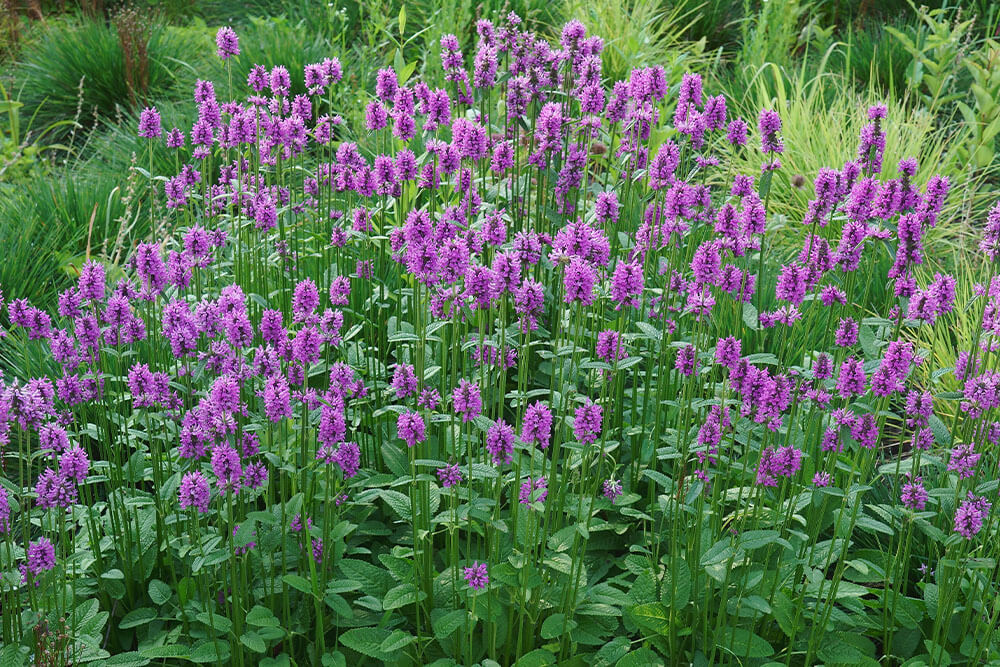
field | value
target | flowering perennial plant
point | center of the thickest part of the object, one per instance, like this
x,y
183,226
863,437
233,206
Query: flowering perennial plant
x,y
518,316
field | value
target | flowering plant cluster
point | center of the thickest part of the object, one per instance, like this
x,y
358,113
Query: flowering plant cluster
x,y
506,372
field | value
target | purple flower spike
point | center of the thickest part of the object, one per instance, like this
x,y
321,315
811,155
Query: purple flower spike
x,y
227,43
476,576
149,123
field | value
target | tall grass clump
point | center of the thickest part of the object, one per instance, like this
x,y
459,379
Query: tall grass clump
x,y
531,372
870,54
45,227
90,70
641,32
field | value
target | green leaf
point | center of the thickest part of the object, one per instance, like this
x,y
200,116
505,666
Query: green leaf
x,y
407,71
939,656
846,648
929,530
12,656
219,622
396,641
641,658
159,592
129,659
967,114
941,434
210,651
983,98
337,603
652,616
374,580
159,652
400,596
719,552
765,183
299,583
612,652
399,503
649,331
397,60
137,617
281,660
741,642
931,600
367,641
537,658
556,626
750,316
763,358
445,625
659,478
244,534
873,526
263,517
676,590
394,459
755,539
784,613
262,617
867,338
906,611
643,588
253,642
335,659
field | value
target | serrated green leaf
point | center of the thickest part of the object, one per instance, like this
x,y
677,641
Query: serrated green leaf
x,y
742,642
399,502
210,651
129,659
845,648
160,652
941,433
931,600
366,641
445,625
12,656
641,658
159,592
137,617
784,613
337,603
402,595
395,460
653,616
217,621
866,336
755,539
299,583
396,641
262,617
676,588
537,658
374,580
253,642
612,652
335,659
556,626
750,316
871,525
